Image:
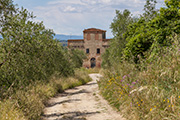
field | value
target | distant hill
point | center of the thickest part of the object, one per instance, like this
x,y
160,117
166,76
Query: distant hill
x,y
63,38
66,37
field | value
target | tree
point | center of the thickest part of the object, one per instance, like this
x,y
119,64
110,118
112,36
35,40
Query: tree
x,y
119,27
152,34
150,9
28,51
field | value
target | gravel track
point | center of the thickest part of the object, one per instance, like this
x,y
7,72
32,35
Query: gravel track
x,y
80,103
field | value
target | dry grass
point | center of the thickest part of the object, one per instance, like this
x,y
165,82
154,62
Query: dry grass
x,y
9,111
150,93
29,102
92,70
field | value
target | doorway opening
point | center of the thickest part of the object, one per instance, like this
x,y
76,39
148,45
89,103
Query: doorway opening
x,y
93,62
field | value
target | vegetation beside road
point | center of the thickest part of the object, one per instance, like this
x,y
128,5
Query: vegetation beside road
x,y
33,65
28,103
141,75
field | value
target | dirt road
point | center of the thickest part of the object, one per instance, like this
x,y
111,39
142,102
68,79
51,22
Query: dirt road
x,y
81,103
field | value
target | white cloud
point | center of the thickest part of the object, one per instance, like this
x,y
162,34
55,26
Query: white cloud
x,y
73,16
54,2
69,9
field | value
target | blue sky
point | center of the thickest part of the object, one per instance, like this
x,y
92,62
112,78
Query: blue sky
x,y
71,17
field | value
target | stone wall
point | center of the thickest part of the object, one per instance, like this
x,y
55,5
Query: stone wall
x,y
95,41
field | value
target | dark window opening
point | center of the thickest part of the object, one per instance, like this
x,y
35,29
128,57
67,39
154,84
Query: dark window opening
x,y
93,62
87,50
104,35
98,51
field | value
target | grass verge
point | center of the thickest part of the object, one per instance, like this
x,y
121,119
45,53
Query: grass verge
x,y
147,92
28,103
91,70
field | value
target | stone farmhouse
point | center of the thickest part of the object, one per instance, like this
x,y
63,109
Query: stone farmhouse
x,y
93,44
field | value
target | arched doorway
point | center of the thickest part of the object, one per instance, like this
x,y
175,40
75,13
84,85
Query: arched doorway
x,y
93,62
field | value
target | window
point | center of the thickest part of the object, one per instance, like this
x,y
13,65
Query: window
x,y
104,35
98,51
87,50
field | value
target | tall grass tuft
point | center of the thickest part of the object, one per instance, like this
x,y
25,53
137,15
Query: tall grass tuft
x,y
8,111
149,91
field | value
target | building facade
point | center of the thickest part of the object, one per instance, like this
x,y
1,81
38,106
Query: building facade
x,y
93,44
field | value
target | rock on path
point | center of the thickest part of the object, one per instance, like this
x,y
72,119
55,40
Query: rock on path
x,y
81,103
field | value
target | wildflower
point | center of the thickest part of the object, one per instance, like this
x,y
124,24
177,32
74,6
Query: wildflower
x,y
124,76
151,109
133,82
167,100
131,104
141,100
169,105
179,96
155,106
138,104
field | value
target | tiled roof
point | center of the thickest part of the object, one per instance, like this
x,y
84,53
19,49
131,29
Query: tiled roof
x,y
93,29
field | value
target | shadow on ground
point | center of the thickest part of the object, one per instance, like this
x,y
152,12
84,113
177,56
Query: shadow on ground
x,y
65,101
71,115
65,94
90,84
